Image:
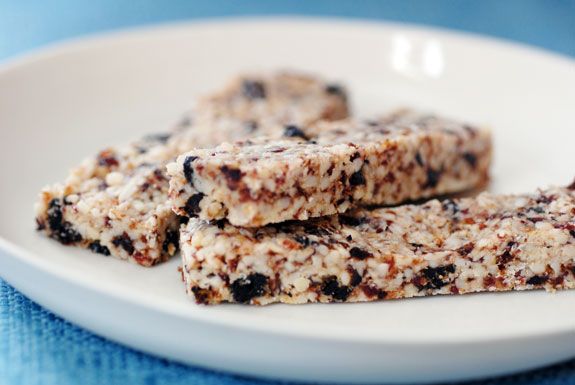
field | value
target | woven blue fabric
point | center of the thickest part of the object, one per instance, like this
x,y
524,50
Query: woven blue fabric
x,y
37,347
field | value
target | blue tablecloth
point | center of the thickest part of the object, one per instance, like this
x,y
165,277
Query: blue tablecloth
x,y
37,347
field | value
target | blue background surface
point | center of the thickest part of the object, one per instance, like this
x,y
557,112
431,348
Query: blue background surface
x,y
37,347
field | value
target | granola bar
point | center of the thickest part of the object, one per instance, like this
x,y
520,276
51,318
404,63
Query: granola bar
x,y
488,243
116,202
403,156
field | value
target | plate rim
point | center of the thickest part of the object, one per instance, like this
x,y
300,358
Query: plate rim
x,y
86,42
57,47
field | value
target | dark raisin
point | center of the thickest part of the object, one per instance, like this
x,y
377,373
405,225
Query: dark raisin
x,y
159,175
450,205
372,291
202,296
418,159
571,186
343,178
244,289
357,178
537,280
66,201
188,170
292,131
97,247
505,257
172,238
62,231
355,276
350,221
233,175
67,235
302,240
192,207
416,246
545,199
335,89
354,156
330,170
436,277
450,268
356,252
488,281
470,158
55,215
433,177
331,287
253,89
125,242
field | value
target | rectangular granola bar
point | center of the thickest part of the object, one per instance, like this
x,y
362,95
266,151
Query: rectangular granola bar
x,y
488,243
404,156
116,202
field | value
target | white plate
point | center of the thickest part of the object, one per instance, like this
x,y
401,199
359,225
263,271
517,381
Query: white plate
x,y
64,103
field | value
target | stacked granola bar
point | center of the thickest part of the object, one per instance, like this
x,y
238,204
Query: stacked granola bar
x,y
404,156
116,203
487,243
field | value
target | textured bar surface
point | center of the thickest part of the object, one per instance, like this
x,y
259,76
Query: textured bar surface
x,y
116,202
404,156
487,243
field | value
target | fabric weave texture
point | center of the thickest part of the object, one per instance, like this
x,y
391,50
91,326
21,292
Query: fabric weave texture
x,y
37,347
